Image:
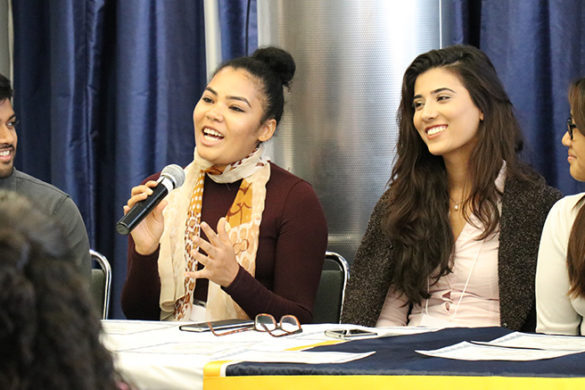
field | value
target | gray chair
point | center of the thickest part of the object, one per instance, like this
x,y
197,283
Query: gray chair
x,y
101,283
329,300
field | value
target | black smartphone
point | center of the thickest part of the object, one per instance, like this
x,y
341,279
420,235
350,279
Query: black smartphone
x,y
350,334
217,325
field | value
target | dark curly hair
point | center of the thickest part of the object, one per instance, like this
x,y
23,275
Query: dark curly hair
x,y
49,329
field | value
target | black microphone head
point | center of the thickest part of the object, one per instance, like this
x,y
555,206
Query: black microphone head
x,y
175,173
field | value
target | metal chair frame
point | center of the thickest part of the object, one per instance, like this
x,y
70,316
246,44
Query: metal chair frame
x,y
104,264
345,267
331,290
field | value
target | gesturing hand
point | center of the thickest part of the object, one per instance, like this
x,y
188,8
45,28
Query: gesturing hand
x,y
219,263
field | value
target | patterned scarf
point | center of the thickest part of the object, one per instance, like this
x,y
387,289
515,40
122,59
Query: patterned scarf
x,y
182,217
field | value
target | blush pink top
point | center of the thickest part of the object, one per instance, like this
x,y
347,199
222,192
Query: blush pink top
x,y
469,296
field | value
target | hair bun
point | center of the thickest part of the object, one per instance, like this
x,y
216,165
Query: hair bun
x,y
279,61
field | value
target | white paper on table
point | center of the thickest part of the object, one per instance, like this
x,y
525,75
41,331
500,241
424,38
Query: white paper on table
x,y
472,351
115,327
403,330
297,357
187,348
539,341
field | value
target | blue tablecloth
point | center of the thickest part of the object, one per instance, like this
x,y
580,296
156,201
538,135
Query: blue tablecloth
x,y
396,356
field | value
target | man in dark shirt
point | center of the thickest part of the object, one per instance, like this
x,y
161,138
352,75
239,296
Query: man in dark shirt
x,y
49,199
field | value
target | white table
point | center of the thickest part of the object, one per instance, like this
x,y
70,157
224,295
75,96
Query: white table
x,y
157,355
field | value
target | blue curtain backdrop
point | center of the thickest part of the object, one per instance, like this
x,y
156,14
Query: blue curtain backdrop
x,y
538,48
105,90
238,21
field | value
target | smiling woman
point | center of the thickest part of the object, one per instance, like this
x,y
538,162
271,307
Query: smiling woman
x,y
442,103
242,236
454,240
228,119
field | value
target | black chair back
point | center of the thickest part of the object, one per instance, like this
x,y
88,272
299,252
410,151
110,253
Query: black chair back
x,y
329,300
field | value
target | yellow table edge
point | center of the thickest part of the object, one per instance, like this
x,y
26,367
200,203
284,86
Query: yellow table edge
x,y
341,382
214,368
214,379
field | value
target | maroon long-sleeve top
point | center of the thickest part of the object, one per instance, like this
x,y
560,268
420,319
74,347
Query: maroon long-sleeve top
x,y
291,248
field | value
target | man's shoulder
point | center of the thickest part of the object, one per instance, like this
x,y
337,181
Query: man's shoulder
x,y
45,196
32,187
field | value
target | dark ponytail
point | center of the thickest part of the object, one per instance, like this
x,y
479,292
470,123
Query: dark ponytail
x,y
275,68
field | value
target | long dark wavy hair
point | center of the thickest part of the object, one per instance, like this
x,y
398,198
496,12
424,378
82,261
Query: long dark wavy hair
x,y
49,329
576,247
417,221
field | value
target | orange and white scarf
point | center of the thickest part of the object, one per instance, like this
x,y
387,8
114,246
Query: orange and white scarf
x,y
182,217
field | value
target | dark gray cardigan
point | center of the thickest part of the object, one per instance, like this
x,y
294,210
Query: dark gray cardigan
x,y
525,206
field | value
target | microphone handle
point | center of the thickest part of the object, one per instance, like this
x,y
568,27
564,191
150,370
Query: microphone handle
x,y
141,210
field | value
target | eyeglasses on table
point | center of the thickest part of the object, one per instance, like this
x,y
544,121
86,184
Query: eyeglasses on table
x,y
286,326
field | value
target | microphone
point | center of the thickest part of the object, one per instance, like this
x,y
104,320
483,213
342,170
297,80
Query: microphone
x,y
171,177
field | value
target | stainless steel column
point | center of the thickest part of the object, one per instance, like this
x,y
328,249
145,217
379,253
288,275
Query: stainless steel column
x,y
5,39
339,130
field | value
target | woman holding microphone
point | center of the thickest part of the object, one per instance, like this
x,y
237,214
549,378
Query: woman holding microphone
x,y
242,236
